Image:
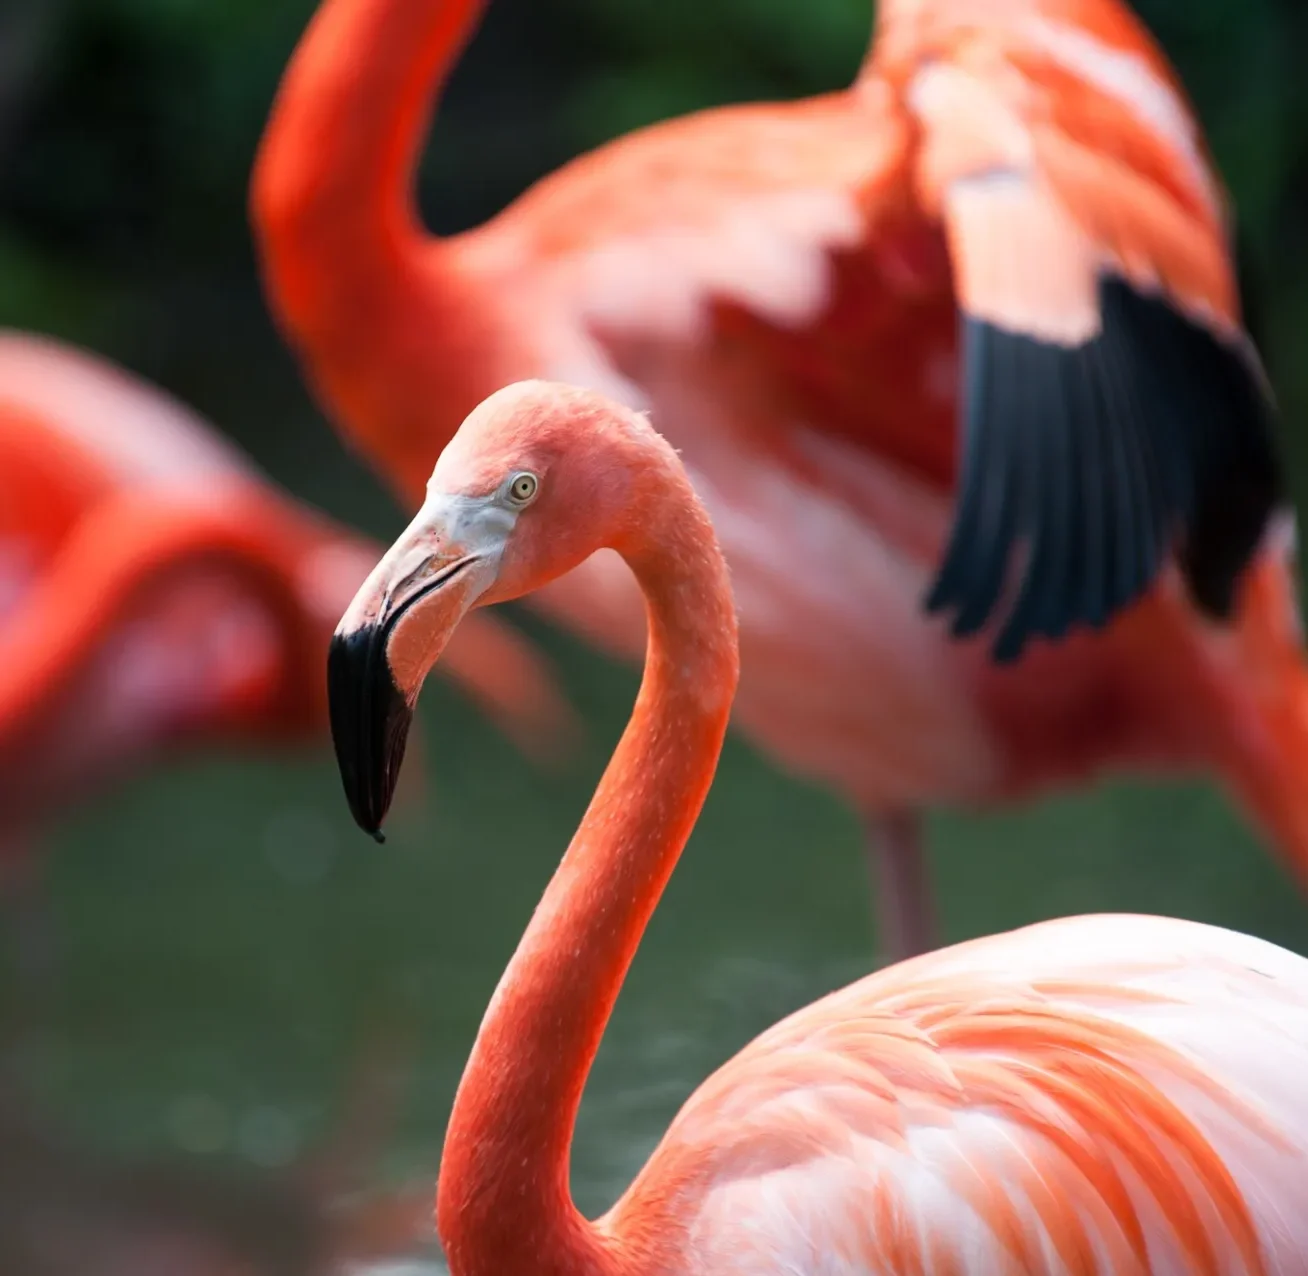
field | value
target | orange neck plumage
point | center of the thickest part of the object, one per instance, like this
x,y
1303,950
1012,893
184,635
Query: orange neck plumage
x,y
354,280
347,127
503,1203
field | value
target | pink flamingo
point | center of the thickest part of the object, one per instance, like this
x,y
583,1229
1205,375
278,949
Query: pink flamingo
x,y
1096,1095
1012,199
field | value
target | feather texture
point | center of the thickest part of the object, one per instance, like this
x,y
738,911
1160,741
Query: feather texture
x,y
1172,434
1095,1095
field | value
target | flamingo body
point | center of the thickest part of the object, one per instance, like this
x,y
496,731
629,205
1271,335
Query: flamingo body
x,y
804,296
155,589
1066,1097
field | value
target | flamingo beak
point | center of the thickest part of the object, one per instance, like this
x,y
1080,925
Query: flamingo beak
x,y
394,632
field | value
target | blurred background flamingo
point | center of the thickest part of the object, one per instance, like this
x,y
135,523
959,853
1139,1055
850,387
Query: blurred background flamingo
x,y
156,591
782,285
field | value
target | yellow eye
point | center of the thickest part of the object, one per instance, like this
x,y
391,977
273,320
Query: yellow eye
x,y
523,488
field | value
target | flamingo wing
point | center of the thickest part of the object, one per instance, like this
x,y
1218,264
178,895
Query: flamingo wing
x,y
1113,405
1003,254
1093,1095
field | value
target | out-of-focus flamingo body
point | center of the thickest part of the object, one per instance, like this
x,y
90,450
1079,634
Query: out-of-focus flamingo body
x,y
1096,1095
781,285
155,588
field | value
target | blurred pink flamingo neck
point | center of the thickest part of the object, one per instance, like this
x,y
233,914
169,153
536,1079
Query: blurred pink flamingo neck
x,y
503,1202
355,281
335,171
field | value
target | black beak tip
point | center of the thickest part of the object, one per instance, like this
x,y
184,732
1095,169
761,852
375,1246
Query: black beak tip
x,y
369,721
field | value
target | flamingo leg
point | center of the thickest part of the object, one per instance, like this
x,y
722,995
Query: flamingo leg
x,y
905,909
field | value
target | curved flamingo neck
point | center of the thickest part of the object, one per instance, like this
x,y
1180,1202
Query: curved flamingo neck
x,y
503,1202
333,186
394,332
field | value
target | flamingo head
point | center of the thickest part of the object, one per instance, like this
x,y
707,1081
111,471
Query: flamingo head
x,y
537,478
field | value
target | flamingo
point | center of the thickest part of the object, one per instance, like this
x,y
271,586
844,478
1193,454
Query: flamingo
x,y
156,590
1012,199
1099,1095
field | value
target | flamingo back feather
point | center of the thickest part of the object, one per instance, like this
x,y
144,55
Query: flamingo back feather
x,y
1096,1095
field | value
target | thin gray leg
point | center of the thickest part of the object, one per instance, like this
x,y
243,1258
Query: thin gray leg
x,y
905,908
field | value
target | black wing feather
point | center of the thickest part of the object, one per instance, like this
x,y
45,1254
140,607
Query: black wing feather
x,y
1133,519
1149,495
1098,539
1155,436
1070,573
1005,500
1052,481
980,460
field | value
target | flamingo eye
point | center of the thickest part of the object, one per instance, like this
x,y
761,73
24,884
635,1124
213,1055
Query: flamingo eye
x,y
523,488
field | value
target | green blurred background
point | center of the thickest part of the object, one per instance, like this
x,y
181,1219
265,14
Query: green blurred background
x,y
224,930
